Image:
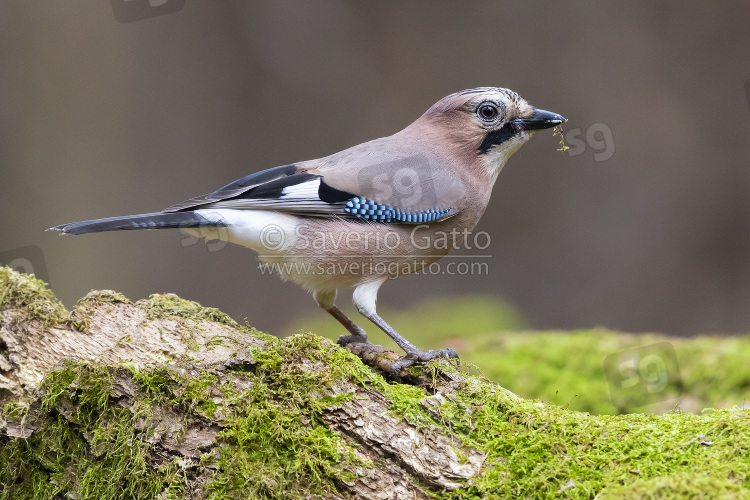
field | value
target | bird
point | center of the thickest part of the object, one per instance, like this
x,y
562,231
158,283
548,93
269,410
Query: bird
x,y
368,214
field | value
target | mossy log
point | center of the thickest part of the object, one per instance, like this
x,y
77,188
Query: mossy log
x,y
179,370
163,398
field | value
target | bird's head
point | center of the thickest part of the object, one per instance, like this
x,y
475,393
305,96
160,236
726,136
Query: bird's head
x,y
489,122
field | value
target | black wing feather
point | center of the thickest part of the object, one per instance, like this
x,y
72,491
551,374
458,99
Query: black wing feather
x,y
236,188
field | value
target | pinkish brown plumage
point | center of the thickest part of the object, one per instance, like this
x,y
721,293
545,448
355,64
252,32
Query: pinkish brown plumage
x,y
370,213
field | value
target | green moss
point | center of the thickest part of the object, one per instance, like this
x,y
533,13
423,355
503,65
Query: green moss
x,y
86,444
274,443
91,385
25,292
544,451
277,445
82,312
16,411
567,368
679,486
197,393
169,305
159,382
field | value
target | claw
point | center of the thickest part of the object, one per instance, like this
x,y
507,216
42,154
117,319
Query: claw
x,y
402,363
447,353
413,357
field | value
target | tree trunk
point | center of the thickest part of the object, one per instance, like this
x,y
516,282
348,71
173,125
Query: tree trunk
x,y
166,346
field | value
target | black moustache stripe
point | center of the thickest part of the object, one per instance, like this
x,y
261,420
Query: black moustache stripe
x,y
496,137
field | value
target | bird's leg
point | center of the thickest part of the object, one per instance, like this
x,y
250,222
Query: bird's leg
x,y
358,335
326,301
413,353
364,299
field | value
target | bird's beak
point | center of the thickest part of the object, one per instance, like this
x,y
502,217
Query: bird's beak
x,y
540,119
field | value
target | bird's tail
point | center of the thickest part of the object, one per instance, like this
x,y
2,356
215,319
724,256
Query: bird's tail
x,y
158,220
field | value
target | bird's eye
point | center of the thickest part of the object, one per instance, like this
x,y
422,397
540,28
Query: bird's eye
x,y
487,112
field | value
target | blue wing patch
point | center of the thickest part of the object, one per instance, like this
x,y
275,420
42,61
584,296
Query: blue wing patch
x,y
370,210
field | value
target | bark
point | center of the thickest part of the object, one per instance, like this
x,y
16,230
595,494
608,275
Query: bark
x,y
394,459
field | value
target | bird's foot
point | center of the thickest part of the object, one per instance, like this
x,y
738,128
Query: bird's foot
x,y
419,356
353,339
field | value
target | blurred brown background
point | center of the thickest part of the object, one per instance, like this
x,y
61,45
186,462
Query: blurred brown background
x,y
645,226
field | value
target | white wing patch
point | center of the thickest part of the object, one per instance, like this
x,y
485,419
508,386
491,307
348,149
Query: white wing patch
x,y
299,198
304,190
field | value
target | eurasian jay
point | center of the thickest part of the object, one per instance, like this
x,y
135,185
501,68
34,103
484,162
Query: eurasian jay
x,y
370,213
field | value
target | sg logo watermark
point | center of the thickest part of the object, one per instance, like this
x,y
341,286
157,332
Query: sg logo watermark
x,y
28,260
127,11
598,136
410,182
643,376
